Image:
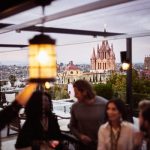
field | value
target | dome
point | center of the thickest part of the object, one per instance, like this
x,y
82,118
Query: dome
x,y
71,66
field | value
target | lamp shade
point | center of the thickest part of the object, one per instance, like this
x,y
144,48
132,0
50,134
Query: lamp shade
x,y
124,60
123,55
42,59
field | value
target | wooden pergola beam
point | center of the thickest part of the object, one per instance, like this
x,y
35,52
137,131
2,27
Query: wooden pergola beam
x,y
64,31
12,7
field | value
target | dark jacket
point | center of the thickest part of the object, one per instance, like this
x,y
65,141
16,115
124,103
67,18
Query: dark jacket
x,y
32,130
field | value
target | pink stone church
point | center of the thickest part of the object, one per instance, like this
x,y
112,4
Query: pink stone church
x,y
103,58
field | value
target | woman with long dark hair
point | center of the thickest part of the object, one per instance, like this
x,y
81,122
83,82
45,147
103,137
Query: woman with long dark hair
x,y
40,125
117,133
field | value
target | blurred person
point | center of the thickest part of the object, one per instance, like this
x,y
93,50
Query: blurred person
x,y
143,104
41,129
117,133
144,120
142,138
71,91
87,114
11,112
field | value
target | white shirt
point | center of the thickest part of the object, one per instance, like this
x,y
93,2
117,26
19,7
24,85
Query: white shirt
x,y
125,141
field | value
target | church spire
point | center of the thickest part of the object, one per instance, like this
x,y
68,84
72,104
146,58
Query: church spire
x,y
112,47
93,55
103,57
103,43
107,43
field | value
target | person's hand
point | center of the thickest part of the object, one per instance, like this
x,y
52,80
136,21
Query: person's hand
x,y
85,139
53,143
23,96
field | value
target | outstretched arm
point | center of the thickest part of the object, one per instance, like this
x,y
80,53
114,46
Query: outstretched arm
x,y
11,111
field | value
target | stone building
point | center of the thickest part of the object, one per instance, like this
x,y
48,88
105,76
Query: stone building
x,y
70,74
102,63
146,71
103,59
147,63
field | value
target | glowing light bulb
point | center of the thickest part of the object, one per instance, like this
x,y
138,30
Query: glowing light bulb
x,y
42,57
47,85
125,66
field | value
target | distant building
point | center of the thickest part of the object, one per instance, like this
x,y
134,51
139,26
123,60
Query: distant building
x,y
102,63
146,71
70,74
103,59
146,74
147,63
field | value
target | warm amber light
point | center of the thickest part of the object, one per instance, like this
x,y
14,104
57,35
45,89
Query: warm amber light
x,y
47,85
42,62
125,66
42,57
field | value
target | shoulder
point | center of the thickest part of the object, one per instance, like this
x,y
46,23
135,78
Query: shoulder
x,y
76,104
104,128
129,126
101,100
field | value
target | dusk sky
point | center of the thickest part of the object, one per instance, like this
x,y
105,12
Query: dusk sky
x,y
126,18
80,53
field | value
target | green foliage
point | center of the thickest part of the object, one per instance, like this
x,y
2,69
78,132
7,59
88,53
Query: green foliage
x,y
59,92
140,87
104,90
141,90
118,82
121,95
112,79
134,74
137,97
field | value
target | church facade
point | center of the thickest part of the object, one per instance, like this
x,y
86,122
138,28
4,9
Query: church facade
x,y
103,58
70,74
102,63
